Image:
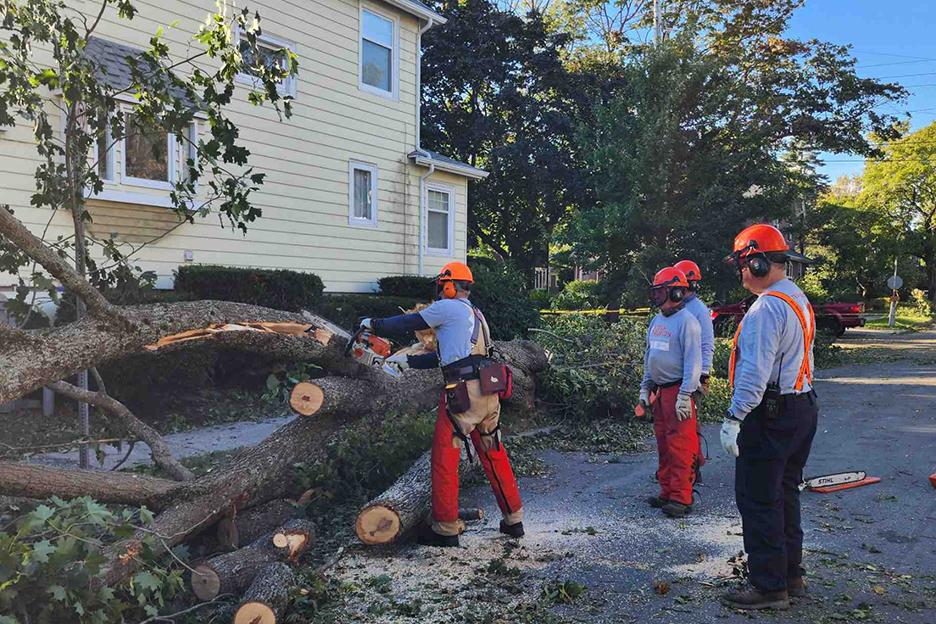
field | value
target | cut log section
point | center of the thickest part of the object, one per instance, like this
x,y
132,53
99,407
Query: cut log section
x,y
401,507
473,513
306,398
267,597
232,573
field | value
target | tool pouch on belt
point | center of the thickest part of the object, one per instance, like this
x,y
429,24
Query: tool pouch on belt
x,y
494,378
456,397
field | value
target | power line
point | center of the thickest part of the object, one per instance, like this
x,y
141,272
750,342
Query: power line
x,y
896,63
900,76
922,58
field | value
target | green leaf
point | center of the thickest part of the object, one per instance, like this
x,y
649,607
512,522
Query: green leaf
x,y
151,610
272,382
58,592
146,515
44,512
107,594
6,619
147,581
42,550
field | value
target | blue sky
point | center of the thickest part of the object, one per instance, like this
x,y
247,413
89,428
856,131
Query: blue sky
x,y
891,39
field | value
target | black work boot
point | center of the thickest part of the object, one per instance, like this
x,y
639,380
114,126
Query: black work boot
x,y
513,530
754,598
674,509
427,537
796,587
657,503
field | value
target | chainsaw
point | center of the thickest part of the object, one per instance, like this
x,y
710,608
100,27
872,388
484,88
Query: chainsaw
x,y
839,478
370,350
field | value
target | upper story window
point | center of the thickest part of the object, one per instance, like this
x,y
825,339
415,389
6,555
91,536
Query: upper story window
x,y
362,182
270,53
379,53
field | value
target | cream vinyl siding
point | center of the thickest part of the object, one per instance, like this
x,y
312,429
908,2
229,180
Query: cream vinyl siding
x,y
305,197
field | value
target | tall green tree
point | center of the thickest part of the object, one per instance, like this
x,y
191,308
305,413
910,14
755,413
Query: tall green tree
x,y
496,94
902,184
689,151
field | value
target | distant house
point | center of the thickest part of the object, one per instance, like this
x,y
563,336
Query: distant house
x,y
349,194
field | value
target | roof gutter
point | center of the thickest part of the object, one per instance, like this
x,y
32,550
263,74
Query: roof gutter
x,y
418,9
462,170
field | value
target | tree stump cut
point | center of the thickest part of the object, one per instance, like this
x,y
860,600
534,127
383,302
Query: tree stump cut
x,y
266,599
406,503
232,573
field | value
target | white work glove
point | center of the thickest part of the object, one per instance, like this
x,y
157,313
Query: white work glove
x,y
645,402
398,362
683,407
367,323
729,435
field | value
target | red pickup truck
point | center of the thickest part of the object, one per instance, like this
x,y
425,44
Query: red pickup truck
x,y
835,317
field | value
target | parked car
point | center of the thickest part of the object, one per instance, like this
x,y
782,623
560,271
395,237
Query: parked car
x,y
834,317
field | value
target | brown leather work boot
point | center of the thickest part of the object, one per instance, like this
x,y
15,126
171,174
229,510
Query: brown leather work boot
x,y
796,587
753,598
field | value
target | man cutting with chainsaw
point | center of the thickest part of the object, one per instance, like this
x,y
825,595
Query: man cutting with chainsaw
x,y
672,365
700,311
772,419
470,405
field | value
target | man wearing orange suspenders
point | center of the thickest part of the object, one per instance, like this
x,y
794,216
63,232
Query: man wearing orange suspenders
x,y
771,422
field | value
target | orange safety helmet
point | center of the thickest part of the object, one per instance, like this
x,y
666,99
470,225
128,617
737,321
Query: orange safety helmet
x,y
669,284
690,269
451,273
753,244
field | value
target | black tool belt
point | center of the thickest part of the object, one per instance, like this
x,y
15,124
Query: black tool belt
x,y
464,369
678,382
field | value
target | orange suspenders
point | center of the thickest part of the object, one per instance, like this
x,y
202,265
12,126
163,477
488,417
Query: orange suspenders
x,y
809,332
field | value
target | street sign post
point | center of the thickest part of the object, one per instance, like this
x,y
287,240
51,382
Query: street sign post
x,y
894,283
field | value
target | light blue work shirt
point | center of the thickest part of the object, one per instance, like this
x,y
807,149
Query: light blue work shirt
x,y
453,321
770,333
702,314
673,352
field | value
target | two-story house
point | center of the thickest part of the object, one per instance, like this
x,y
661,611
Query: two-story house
x,y
349,194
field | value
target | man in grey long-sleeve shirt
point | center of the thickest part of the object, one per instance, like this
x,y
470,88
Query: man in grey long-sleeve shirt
x,y
702,314
772,419
672,365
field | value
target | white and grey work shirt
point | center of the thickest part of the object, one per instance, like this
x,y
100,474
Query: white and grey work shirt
x,y
674,352
453,321
770,332
702,314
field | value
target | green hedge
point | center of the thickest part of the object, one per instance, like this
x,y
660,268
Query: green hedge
x,y
407,286
278,289
578,295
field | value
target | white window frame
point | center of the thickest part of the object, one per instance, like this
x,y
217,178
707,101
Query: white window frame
x,y
394,93
171,164
357,221
111,156
435,251
288,86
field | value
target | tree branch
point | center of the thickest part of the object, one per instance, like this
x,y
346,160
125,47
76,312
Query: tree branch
x,y
28,243
162,456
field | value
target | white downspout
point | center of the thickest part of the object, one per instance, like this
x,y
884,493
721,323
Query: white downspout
x,y
419,149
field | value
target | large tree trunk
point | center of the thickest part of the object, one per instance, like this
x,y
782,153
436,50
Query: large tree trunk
x,y
406,503
266,600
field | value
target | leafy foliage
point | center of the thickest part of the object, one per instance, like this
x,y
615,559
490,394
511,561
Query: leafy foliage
x,y
284,378
48,560
496,94
280,289
578,295
502,294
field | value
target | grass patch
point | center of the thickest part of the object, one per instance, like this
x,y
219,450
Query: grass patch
x,y
905,319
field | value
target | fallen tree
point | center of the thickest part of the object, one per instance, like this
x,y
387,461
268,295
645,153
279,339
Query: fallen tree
x,y
348,392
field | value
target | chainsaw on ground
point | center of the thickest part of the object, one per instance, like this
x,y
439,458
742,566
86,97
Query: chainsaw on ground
x,y
370,350
833,480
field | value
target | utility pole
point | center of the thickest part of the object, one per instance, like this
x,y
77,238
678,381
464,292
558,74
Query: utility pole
x,y
656,22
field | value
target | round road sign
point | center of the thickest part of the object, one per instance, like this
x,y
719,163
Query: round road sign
x,y
894,282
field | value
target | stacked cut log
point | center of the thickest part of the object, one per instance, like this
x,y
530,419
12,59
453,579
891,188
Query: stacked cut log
x,y
266,599
406,503
246,527
232,573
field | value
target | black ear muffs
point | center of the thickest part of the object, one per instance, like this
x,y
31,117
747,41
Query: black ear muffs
x,y
759,266
677,293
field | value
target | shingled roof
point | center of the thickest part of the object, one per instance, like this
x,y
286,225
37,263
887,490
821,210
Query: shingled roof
x,y
115,67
